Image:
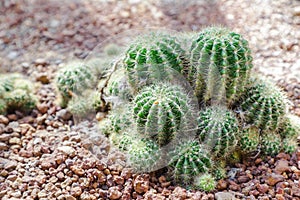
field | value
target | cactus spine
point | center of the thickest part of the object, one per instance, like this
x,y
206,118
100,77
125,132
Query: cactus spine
x,y
218,128
219,54
161,112
270,144
250,140
263,105
19,100
153,55
189,159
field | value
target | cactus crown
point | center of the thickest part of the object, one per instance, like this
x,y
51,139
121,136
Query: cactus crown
x,y
189,159
250,140
161,112
270,144
264,105
218,128
205,182
219,52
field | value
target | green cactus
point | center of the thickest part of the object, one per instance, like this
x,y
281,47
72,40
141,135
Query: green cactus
x,y
205,182
220,63
290,127
143,155
155,49
263,105
218,128
3,107
270,144
121,140
290,144
219,170
161,112
189,159
74,78
19,99
250,140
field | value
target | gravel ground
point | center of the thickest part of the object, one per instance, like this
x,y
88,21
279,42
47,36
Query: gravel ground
x,y
44,156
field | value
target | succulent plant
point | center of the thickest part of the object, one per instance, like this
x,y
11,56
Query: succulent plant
x,y
122,140
152,55
74,78
218,128
3,107
290,126
161,112
270,144
19,99
189,159
290,144
205,182
219,170
220,64
143,154
263,105
250,140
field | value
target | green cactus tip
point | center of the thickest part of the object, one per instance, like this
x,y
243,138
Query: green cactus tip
x,y
205,182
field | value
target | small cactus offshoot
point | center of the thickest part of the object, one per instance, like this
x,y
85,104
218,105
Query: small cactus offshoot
x,y
220,64
205,182
290,144
161,112
74,78
20,100
189,159
218,128
143,155
264,105
250,140
270,144
122,140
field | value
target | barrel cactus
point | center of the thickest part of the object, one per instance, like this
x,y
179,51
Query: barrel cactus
x,y
250,140
290,126
220,64
270,144
143,155
3,107
153,50
161,112
218,128
263,105
205,182
74,78
122,140
290,144
189,159
19,99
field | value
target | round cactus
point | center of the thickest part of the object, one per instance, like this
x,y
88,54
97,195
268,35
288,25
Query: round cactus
x,y
219,170
250,140
218,128
122,140
263,105
74,78
189,159
205,182
270,144
19,99
290,144
290,127
220,63
143,155
152,50
161,112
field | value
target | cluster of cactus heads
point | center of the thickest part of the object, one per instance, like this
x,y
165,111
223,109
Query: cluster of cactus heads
x,y
239,115
219,55
16,94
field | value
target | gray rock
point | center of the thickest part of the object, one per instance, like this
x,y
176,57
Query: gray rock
x,y
224,196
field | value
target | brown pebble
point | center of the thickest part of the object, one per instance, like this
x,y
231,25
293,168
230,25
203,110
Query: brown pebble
x,y
282,166
222,185
243,179
272,179
263,188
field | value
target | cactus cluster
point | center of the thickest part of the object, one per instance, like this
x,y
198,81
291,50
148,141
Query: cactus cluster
x,y
16,93
155,118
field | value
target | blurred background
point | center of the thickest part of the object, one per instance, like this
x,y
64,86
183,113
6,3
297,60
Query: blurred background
x,y
38,35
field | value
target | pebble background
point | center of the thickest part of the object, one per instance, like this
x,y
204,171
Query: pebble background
x,y
41,157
